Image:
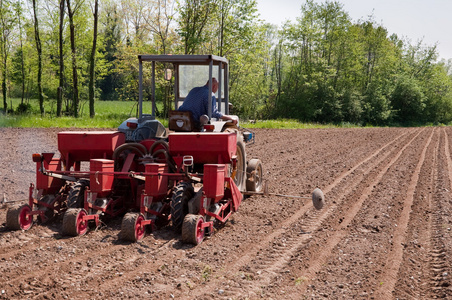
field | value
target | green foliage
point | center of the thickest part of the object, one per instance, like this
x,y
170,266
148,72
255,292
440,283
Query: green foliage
x,y
334,70
408,100
110,114
322,68
286,124
23,108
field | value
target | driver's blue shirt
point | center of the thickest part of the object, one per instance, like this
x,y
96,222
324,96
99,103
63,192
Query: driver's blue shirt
x,y
196,102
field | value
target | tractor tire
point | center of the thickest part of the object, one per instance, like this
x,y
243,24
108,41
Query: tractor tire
x,y
131,228
192,231
49,213
240,174
76,195
179,203
318,199
17,218
73,225
254,181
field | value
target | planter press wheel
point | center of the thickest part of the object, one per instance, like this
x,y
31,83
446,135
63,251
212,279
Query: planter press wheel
x,y
73,223
49,213
192,231
76,195
239,176
254,181
18,218
179,203
131,228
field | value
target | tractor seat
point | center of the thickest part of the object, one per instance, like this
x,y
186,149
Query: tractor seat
x,y
181,121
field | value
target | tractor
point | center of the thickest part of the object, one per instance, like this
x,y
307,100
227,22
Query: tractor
x,y
193,178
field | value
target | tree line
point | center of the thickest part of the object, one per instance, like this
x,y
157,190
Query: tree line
x,y
323,67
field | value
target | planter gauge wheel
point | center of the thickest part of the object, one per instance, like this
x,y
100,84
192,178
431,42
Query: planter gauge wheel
x,y
131,227
19,218
73,223
192,229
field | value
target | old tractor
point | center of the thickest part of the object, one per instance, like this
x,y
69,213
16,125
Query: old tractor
x,y
152,176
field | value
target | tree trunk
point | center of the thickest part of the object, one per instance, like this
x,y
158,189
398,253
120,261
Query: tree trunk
x,y
5,103
92,113
38,48
74,60
3,41
22,56
61,62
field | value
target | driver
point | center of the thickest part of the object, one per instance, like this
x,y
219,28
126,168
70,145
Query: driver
x,y
197,103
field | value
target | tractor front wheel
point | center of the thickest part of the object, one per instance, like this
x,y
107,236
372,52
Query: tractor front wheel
x,y
19,218
73,223
192,230
254,175
131,228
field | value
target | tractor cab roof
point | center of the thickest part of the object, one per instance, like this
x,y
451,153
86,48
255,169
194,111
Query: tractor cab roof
x,y
188,71
185,59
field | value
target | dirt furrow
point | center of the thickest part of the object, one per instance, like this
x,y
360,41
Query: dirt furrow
x,y
118,270
276,249
128,275
348,216
273,247
70,263
394,259
440,269
413,280
319,251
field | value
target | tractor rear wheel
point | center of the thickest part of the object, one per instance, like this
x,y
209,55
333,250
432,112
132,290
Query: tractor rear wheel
x,y
179,203
254,176
240,175
18,217
76,196
131,228
73,223
192,231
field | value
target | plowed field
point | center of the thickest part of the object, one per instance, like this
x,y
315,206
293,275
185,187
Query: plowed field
x,y
384,233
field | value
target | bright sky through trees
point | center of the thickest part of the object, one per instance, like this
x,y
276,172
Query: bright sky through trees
x,y
413,19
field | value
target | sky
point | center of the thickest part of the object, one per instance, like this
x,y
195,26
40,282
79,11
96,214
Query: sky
x,y
426,20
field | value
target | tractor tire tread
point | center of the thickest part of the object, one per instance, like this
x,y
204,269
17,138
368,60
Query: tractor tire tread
x,y
76,194
240,177
179,201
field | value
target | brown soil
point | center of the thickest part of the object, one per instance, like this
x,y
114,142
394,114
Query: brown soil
x,y
384,233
